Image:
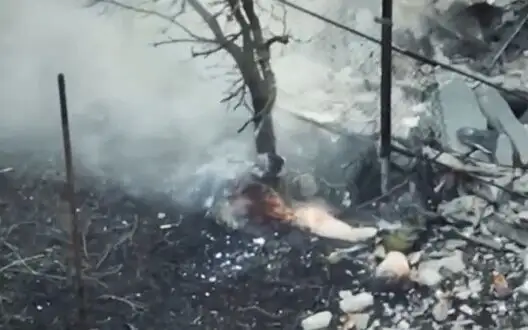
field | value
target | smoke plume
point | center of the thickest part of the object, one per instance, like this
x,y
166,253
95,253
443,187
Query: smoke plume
x,y
148,116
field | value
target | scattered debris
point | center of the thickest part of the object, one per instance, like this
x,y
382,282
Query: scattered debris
x,y
457,103
400,239
500,286
354,321
394,267
317,321
340,254
350,303
465,209
427,275
501,118
454,263
441,310
320,222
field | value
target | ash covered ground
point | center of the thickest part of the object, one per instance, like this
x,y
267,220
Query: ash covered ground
x,y
149,266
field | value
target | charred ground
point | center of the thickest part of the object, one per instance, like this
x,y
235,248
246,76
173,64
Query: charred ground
x,y
192,274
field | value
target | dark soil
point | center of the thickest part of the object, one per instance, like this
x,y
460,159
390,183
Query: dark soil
x,y
193,274
190,273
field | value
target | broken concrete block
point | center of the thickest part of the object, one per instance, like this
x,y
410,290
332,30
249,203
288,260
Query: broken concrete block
x,y
500,116
457,105
317,321
483,141
504,151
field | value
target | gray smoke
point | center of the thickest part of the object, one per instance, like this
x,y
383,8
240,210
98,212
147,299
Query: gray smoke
x,y
147,116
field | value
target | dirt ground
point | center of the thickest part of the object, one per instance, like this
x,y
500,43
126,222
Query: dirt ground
x,y
141,276
148,266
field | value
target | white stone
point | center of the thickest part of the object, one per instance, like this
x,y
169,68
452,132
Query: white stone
x,y
317,321
356,303
441,310
428,276
360,320
394,265
454,263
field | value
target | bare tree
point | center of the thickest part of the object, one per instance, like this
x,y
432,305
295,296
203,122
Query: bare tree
x,y
248,47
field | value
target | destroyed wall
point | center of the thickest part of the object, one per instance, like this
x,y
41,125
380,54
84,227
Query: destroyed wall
x,y
338,85
497,35
353,69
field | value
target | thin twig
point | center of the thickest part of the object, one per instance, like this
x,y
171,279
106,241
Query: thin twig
x,y
127,236
170,19
21,262
135,306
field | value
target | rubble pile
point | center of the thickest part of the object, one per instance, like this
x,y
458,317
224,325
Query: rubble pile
x,y
472,145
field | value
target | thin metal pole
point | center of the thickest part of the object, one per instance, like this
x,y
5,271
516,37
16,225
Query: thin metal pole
x,y
386,89
70,196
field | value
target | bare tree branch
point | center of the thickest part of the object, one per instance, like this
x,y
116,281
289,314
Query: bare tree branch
x,y
213,25
266,81
284,39
238,91
180,41
170,19
252,57
218,46
208,52
247,41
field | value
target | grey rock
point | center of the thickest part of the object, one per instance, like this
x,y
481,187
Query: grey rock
x,y
356,303
454,263
427,275
317,321
467,209
454,244
415,257
306,185
500,116
361,320
463,293
479,139
500,227
403,324
458,107
441,310
504,151
475,286
466,310
523,288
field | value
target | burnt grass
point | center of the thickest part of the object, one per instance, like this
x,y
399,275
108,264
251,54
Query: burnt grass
x,y
195,274
190,274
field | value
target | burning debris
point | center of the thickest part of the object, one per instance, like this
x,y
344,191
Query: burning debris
x,y
260,204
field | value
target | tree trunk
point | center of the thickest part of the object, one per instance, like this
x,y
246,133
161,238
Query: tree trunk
x,y
263,102
265,134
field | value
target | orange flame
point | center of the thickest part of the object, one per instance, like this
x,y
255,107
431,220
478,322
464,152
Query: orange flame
x,y
264,202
